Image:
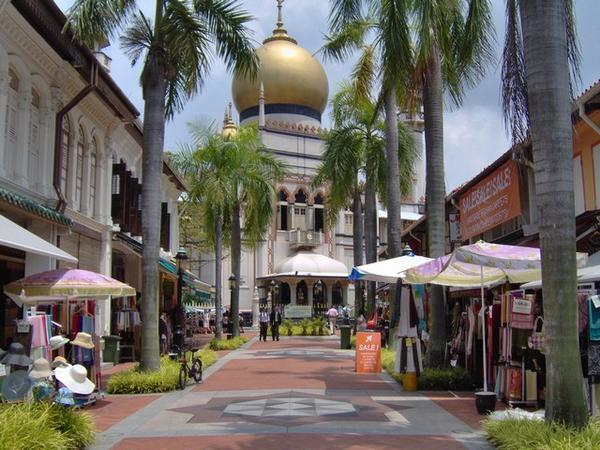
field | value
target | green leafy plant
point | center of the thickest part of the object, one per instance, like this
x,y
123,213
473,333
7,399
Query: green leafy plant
x,y
135,381
304,324
319,324
538,434
29,425
227,344
288,325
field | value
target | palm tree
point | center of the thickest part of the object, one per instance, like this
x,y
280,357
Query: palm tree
x,y
354,163
177,51
540,46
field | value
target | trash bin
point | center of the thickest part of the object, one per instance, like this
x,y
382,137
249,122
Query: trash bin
x,y
345,336
112,349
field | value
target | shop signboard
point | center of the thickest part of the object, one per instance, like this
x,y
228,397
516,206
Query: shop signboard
x,y
298,311
368,352
491,202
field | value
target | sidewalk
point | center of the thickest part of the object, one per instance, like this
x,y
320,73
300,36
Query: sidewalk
x,y
296,393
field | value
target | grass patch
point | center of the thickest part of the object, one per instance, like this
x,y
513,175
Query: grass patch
x,y
135,381
226,344
450,379
513,434
44,425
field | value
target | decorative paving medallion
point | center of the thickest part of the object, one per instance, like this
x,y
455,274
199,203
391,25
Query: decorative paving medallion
x,y
289,407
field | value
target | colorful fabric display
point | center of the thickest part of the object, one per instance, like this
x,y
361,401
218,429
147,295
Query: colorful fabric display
x,y
594,358
521,311
594,321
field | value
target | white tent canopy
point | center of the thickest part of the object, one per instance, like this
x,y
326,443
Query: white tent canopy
x,y
387,271
15,236
587,274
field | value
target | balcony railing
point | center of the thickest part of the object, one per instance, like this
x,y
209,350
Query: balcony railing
x,y
300,238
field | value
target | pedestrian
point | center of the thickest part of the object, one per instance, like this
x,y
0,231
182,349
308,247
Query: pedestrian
x,y
264,324
163,331
241,322
332,316
275,319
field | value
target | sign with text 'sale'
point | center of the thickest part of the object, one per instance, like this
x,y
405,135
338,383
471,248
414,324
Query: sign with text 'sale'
x,y
368,352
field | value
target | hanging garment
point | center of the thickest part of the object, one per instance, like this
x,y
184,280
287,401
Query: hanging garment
x,y
521,312
471,317
594,321
409,358
593,358
39,334
582,303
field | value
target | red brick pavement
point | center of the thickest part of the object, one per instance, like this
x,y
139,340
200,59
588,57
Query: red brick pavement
x,y
111,410
295,343
460,405
291,373
292,442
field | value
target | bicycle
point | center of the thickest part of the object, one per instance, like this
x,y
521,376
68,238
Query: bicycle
x,y
190,371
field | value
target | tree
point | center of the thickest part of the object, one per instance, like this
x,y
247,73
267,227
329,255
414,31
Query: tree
x,y
386,60
231,175
177,50
354,163
452,50
540,47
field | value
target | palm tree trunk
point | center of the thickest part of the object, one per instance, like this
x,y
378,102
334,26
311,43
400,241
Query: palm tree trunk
x,y
435,203
394,224
357,241
154,88
547,71
219,276
236,256
370,235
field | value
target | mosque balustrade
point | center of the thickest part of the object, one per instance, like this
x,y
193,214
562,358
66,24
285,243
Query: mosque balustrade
x,y
302,238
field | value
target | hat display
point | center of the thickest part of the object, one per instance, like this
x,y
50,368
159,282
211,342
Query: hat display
x,y
15,386
57,342
75,378
42,390
16,356
40,369
59,361
83,340
64,396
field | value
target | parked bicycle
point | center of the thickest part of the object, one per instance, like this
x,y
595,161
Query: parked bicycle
x,y
193,370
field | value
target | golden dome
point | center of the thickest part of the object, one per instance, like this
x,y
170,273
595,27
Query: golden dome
x,y
229,129
291,76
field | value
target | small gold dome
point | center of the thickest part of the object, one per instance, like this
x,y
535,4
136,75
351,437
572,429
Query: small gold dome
x,y
229,129
289,73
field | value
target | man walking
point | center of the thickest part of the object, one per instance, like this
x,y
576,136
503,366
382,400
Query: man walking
x,y
332,316
275,319
264,325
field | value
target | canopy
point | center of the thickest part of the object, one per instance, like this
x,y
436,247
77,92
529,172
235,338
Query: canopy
x,y
61,284
15,236
500,263
388,270
584,275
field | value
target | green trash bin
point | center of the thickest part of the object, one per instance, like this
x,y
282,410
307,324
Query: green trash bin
x,y
345,336
112,349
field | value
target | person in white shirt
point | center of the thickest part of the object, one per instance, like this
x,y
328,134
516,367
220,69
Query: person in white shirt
x,y
264,324
332,316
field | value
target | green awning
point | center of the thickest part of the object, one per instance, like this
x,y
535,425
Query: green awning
x,y
34,207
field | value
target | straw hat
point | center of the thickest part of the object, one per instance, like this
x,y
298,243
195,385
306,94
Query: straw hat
x,y
83,340
75,378
40,369
15,386
16,356
59,361
57,342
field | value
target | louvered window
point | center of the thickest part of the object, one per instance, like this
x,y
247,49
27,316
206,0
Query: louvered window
x,y
79,168
93,181
66,148
34,140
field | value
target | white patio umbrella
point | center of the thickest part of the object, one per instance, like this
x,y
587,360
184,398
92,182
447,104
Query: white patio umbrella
x,y
389,270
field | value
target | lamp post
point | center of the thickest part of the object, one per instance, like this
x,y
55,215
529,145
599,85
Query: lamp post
x,y
180,256
232,320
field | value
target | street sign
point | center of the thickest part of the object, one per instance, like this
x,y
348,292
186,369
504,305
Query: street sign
x,y
368,352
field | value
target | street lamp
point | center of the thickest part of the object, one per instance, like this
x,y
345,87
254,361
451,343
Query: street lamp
x,y
232,282
180,256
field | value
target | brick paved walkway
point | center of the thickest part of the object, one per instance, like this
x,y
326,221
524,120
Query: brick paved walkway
x,y
298,393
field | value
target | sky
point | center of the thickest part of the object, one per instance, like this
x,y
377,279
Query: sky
x,y
474,134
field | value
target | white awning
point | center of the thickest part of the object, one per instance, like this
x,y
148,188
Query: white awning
x,y
404,215
15,236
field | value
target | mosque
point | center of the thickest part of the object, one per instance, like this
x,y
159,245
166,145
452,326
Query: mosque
x,y
302,264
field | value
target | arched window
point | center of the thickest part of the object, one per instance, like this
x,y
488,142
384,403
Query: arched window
x,y
282,210
319,213
33,164
301,196
79,168
300,221
302,293
93,181
10,126
66,148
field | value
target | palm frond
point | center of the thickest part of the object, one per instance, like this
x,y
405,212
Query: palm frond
x,y
344,12
94,22
364,72
137,38
572,46
228,23
395,41
342,44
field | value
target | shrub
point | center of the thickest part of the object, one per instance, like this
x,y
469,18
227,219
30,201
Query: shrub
x,y
135,381
288,325
304,324
44,425
227,344
318,325
538,434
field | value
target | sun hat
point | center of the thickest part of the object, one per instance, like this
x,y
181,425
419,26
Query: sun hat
x,y
64,396
15,386
83,340
16,356
40,369
59,361
57,342
42,390
75,378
